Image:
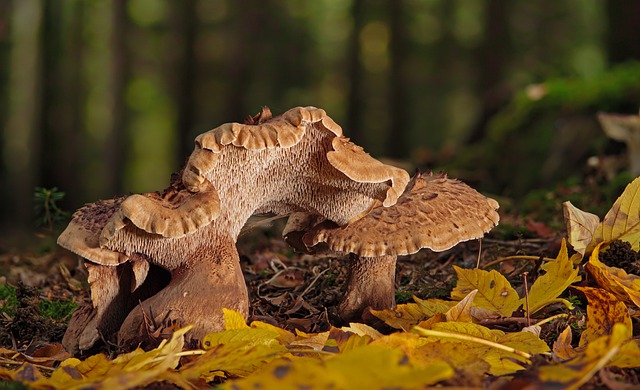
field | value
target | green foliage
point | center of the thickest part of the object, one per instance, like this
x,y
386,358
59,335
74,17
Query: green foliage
x,y
46,209
8,299
57,310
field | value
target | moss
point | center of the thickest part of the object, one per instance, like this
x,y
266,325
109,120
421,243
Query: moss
x,y
8,299
57,310
403,297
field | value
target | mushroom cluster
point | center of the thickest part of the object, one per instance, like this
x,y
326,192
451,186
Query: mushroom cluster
x,y
170,256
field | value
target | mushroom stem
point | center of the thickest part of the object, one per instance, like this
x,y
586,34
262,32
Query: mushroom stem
x,y
208,281
370,285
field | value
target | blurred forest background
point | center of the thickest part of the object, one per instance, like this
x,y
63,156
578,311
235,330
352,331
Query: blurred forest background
x,y
104,97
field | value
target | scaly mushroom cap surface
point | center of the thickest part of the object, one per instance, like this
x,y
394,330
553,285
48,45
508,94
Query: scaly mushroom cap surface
x,y
174,213
82,235
434,212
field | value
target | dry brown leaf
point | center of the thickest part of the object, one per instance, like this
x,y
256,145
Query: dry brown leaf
x,y
581,226
562,348
462,311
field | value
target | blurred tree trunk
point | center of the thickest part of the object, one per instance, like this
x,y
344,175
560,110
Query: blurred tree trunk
x,y
60,120
397,145
22,147
493,58
116,149
248,25
185,25
623,34
355,74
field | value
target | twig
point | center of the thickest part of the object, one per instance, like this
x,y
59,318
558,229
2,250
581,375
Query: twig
x,y
552,318
526,297
19,363
464,337
517,257
479,252
306,290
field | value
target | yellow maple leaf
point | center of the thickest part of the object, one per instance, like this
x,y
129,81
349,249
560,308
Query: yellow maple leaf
x,y
404,316
628,356
137,368
494,290
625,287
622,222
575,372
559,275
233,319
369,366
433,305
603,312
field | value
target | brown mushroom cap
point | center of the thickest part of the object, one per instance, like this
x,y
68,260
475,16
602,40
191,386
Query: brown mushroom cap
x,y
262,132
173,213
434,212
82,235
359,166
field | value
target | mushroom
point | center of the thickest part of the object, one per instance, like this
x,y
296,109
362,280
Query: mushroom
x,y
624,128
433,212
171,256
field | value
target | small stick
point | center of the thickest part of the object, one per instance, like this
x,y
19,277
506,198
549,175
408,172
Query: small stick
x,y
526,296
517,257
479,252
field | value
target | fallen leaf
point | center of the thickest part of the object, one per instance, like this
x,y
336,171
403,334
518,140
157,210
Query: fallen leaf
x,y
576,372
559,275
362,330
622,222
404,316
494,290
432,306
625,287
233,319
603,312
462,311
581,226
628,356
361,368
562,348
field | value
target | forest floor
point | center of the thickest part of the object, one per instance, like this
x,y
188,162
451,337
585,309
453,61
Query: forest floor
x,y
38,288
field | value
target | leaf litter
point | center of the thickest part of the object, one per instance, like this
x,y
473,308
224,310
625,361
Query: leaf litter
x,y
456,325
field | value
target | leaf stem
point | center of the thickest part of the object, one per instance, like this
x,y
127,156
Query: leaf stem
x,y
562,315
473,339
